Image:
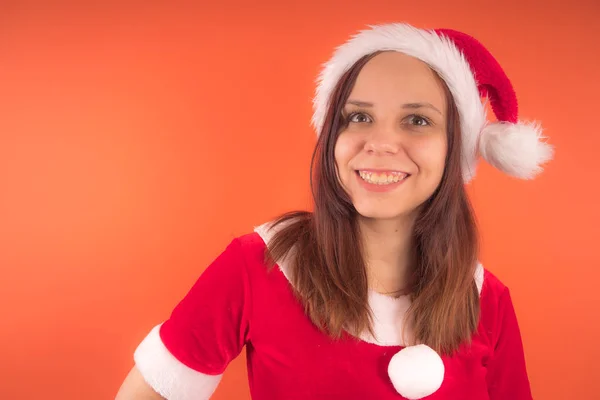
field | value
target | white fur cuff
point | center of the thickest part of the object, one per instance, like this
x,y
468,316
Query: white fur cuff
x,y
167,375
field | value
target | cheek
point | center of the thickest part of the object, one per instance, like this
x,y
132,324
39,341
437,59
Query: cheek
x,y
430,155
344,151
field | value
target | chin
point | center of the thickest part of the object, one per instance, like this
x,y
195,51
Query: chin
x,y
382,213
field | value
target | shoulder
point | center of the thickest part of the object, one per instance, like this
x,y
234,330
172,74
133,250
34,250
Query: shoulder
x,y
237,263
253,244
495,303
251,247
492,289
251,251
492,282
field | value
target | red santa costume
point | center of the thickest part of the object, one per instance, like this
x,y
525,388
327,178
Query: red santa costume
x,y
238,303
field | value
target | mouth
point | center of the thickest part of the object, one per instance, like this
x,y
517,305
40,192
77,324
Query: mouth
x,y
382,178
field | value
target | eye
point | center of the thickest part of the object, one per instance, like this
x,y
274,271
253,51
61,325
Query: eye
x,y
358,117
418,120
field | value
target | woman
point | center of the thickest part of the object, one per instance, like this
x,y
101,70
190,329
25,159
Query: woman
x,y
377,293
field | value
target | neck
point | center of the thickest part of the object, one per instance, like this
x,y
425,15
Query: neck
x,y
389,253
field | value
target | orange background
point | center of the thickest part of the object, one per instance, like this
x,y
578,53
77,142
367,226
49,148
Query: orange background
x,y
136,139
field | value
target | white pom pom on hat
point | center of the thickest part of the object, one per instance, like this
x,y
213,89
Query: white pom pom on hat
x,y
416,371
470,72
515,148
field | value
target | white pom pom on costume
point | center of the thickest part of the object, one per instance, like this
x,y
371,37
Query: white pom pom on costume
x,y
515,149
416,371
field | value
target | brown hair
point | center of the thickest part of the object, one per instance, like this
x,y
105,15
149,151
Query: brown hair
x,y
327,267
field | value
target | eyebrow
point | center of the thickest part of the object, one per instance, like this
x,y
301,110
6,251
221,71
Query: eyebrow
x,y
359,103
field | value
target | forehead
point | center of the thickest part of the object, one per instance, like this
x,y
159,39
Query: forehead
x,y
396,77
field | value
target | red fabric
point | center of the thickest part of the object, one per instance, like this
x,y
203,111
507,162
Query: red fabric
x,y
236,302
507,374
209,327
491,79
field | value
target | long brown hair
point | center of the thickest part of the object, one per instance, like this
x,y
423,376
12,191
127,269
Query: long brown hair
x,y
327,267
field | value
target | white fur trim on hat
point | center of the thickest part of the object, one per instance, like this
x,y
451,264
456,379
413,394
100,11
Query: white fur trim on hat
x,y
439,52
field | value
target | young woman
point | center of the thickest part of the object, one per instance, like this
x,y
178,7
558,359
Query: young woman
x,y
377,293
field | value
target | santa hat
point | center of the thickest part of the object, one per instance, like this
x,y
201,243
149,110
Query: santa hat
x,y
470,72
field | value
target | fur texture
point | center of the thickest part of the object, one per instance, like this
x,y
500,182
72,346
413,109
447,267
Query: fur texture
x,y
416,371
515,149
167,375
469,70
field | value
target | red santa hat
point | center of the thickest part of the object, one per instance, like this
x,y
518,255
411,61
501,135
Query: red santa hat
x,y
470,72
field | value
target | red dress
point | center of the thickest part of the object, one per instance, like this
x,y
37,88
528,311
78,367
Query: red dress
x,y
237,303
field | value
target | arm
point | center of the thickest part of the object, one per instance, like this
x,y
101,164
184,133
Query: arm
x,y
184,357
135,388
507,373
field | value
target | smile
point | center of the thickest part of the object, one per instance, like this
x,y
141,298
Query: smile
x,y
382,178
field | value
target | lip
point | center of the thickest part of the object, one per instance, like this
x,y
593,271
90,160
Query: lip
x,y
381,170
379,188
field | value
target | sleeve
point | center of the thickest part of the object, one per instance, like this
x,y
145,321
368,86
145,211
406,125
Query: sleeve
x,y
507,373
185,357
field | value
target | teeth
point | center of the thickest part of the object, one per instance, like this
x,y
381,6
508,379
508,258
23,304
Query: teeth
x,y
382,179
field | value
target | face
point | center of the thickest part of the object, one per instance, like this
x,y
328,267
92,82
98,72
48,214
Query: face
x,y
391,154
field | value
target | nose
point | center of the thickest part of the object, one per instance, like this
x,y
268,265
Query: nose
x,y
382,140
